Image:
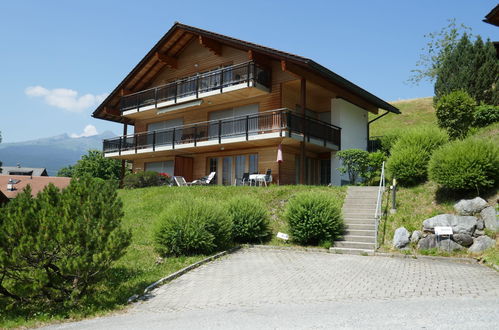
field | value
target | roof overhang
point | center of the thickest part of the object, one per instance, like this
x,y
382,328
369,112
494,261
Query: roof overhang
x,y
108,109
493,16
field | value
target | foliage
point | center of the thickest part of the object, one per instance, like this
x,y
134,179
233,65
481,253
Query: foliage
x,y
250,220
142,180
439,46
314,218
193,227
472,67
466,165
95,165
455,113
389,139
66,171
0,161
354,162
373,172
485,115
54,248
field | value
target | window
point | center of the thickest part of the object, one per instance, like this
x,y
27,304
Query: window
x,y
240,168
165,137
161,167
253,164
232,128
227,171
325,171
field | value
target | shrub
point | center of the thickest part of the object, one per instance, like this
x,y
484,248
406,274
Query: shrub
x,y
57,246
410,155
466,165
388,140
455,113
142,180
373,171
250,220
193,227
485,115
314,218
354,162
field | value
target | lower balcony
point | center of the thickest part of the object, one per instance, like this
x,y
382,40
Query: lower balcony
x,y
268,125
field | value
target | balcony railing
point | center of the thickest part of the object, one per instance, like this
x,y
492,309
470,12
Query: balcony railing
x,y
281,121
245,73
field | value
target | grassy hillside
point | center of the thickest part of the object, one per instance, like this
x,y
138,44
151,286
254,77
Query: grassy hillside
x,y
415,112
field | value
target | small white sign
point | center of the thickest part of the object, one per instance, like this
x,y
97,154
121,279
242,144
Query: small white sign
x,y
282,236
443,230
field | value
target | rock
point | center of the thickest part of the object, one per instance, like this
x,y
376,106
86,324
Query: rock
x,y
133,298
463,239
416,236
459,224
400,238
470,206
490,219
448,245
480,224
481,243
428,242
479,233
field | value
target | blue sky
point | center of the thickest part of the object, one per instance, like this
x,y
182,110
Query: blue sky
x,y
58,59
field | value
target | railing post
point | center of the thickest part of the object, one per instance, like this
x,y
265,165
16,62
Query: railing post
x,y
197,87
247,128
155,97
248,69
135,142
173,139
176,91
195,135
219,131
119,147
288,115
221,80
153,140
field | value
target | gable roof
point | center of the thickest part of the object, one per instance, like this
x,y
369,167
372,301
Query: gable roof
x,y
192,31
37,183
493,16
16,170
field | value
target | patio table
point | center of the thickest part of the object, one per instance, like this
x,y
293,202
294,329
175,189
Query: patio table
x,y
259,178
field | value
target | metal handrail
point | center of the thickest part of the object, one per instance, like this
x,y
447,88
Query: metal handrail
x,y
377,214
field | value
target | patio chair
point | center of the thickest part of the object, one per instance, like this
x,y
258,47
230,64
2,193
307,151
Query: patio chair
x,y
243,180
180,181
268,177
206,180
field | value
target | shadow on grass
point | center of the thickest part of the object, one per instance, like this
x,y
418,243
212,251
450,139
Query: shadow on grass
x,y
447,196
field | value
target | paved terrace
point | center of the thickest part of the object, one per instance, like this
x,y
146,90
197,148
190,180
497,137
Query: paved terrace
x,y
270,288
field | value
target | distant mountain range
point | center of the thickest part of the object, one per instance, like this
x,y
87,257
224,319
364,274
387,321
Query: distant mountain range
x,y
52,153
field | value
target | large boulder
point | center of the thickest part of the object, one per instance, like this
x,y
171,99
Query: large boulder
x,y
480,224
428,242
459,224
490,219
481,243
463,239
416,236
448,245
470,206
401,238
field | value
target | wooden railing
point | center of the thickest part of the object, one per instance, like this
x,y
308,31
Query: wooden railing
x,y
244,73
281,120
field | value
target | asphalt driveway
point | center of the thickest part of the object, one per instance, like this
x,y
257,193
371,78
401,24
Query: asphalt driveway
x,y
270,288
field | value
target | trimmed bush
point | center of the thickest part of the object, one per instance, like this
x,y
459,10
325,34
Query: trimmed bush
x,y
466,165
455,112
409,158
141,180
193,227
388,140
485,115
250,220
314,218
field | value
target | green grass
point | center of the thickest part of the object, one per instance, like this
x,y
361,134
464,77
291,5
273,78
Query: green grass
x,y
415,113
138,267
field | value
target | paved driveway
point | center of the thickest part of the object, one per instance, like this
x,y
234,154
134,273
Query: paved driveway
x,y
269,288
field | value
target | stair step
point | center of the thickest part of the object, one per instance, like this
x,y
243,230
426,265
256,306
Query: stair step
x,y
358,216
365,232
354,245
359,227
360,222
360,212
352,238
339,250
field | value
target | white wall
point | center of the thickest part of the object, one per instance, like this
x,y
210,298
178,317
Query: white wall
x,y
353,122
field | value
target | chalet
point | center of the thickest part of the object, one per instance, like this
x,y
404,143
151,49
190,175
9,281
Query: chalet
x,y
12,185
202,102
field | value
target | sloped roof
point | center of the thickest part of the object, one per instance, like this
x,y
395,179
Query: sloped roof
x,y
304,62
493,16
37,183
28,170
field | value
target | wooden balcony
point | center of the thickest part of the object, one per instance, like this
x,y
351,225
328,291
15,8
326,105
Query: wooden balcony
x,y
210,84
272,124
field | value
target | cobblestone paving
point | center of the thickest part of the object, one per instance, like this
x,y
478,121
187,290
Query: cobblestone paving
x,y
256,277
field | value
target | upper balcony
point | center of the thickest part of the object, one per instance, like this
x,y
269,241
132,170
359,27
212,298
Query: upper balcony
x,y
211,84
258,129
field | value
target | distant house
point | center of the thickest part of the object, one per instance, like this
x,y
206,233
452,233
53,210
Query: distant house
x,y
18,170
493,18
11,185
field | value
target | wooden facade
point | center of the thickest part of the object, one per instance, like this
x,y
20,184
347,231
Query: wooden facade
x,y
185,53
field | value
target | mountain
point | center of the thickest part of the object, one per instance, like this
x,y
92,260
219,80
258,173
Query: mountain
x,y
51,153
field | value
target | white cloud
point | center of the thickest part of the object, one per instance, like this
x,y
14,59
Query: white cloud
x,y
66,99
89,130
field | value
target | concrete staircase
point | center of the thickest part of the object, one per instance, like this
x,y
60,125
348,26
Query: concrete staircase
x,y
358,213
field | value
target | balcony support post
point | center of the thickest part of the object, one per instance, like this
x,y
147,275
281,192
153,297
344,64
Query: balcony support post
x,y
119,146
173,139
195,135
248,69
221,80
247,128
197,87
153,140
303,105
219,132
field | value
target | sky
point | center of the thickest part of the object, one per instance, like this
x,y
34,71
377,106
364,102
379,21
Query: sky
x,y
59,59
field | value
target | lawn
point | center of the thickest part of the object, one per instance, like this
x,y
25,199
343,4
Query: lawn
x,y
139,267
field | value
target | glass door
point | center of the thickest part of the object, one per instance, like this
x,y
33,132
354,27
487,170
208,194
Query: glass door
x,y
227,171
240,167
